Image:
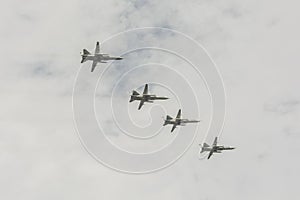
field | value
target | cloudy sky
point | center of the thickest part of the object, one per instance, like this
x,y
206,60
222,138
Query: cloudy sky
x,y
255,46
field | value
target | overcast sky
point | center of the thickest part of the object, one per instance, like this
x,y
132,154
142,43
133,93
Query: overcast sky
x,y
255,45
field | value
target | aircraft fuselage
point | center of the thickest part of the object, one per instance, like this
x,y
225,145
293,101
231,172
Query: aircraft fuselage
x,y
101,57
146,98
180,122
217,149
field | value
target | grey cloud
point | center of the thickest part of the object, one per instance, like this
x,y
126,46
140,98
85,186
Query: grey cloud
x,y
282,108
42,158
291,131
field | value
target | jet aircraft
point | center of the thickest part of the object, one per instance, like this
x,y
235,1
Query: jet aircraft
x,y
215,148
97,57
178,121
145,97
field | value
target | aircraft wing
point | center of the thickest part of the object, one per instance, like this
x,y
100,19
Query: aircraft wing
x,y
210,154
97,50
215,141
141,104
146,89
94,65
178,114
173,128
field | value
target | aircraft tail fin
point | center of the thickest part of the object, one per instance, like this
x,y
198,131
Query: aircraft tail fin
x,y
203,147
166,120
84,55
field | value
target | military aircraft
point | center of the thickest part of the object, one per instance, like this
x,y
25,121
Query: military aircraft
x,y
214,148
178,121
145,97
97,57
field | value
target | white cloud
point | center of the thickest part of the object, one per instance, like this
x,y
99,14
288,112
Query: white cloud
x,y
254,43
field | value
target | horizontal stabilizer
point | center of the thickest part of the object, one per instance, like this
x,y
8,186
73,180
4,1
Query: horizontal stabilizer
x,y
205,145
131,99
135,92
83,58
169,117
86,52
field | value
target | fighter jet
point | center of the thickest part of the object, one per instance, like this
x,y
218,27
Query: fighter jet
x,y
145,97
97,57
178,121
214,148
